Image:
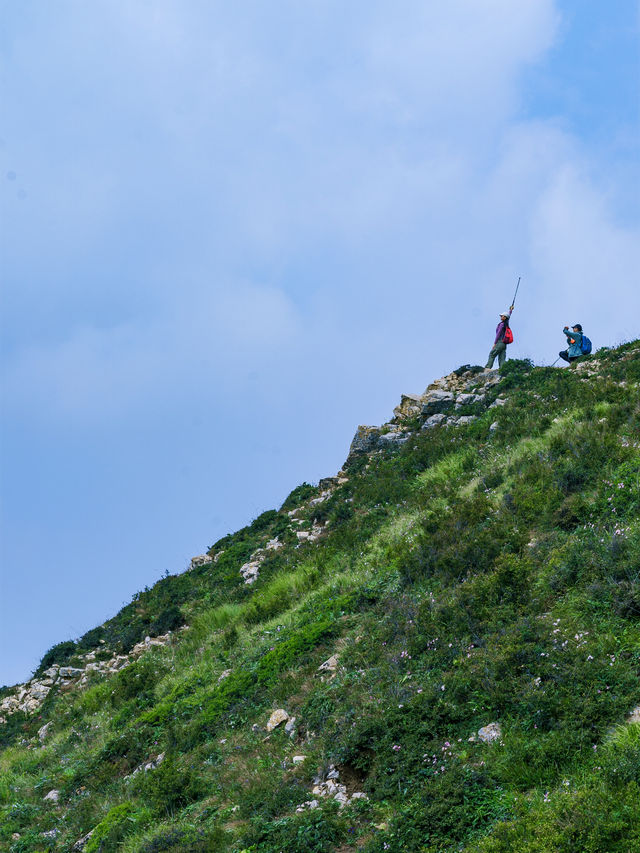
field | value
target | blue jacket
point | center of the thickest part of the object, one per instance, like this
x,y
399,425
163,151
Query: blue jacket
x,y
575,348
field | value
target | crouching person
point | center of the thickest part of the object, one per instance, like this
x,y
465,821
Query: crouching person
x,y
574,339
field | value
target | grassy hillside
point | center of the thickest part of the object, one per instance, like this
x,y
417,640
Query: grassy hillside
x,y
485,573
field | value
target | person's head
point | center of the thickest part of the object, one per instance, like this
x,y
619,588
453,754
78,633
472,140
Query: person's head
x,y
504,316
577,327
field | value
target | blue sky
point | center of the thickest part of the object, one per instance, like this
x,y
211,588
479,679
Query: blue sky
x,y
230,234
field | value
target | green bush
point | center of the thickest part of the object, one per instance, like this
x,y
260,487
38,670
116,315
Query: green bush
x,y
112,829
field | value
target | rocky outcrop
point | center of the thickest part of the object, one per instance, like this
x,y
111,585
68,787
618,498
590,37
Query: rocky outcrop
x,y
330,787
438,405
28,697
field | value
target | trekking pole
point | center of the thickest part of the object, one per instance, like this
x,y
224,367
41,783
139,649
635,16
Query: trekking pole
x,y
555,362
513,301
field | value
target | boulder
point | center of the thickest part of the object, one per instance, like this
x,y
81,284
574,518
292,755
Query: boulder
x,y
433,421
200,560
490,733
290,727
468,399
277,718
70,672
39,690
330,665
410,405
388,439
250,571
43,731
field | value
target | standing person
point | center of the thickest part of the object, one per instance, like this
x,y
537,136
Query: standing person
x,y
499,347
574,339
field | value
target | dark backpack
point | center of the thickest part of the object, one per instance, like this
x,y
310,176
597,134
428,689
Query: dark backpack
x,y
585,345
508,336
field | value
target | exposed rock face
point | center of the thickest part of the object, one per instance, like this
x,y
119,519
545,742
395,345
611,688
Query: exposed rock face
x,y
365,440
436,402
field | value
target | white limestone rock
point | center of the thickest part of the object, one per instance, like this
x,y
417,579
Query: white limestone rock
x,y
490,733
276,719
433,421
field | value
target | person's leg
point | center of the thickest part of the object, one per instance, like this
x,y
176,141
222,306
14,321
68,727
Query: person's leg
x,y
495,351
502,353
564,355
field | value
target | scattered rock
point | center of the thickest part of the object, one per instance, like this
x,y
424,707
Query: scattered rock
x,y
290,727
51,833
81,843
146,766
225,674
634,716
43,731
494,426
52,797
250,571
490,733
330,786
330,665
277,718
299,759
200,560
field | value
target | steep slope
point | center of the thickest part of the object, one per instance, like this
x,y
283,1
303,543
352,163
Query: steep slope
x,y
438,649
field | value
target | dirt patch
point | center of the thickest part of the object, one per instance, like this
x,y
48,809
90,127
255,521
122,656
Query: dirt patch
x,y
352,778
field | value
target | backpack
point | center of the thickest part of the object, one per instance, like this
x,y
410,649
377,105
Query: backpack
x,y
586,345
508,336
